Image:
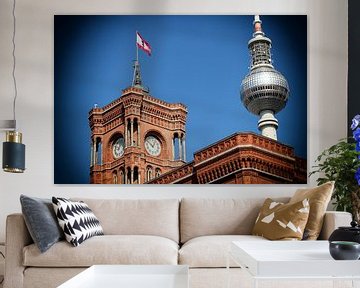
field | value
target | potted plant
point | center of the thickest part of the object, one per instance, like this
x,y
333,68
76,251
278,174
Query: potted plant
x,y
341,163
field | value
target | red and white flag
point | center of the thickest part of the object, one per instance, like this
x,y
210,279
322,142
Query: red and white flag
x,y
142,44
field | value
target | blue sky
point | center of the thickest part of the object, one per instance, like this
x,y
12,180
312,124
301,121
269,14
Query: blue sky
x,y
196,60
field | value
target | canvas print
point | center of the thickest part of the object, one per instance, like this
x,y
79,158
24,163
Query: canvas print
x,y
190,99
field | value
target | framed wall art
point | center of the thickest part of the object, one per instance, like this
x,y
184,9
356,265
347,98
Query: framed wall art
x,y
160,99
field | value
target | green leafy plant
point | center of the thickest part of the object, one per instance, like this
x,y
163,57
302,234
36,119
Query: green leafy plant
x,y
341,163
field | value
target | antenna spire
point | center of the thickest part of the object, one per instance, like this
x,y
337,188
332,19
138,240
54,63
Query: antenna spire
x,y
257,27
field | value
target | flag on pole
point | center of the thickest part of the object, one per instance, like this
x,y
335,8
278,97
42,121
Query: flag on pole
x,y
142,44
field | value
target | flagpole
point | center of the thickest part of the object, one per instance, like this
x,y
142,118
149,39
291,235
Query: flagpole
x,y
137,59
137,49
137,53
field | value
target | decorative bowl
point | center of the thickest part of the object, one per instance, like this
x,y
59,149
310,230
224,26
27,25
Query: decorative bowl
x,y
344,250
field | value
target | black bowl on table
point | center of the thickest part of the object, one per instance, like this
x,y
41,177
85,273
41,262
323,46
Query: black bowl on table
x,y
344,250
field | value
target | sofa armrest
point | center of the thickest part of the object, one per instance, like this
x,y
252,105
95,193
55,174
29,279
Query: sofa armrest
x,y
333,220
17,237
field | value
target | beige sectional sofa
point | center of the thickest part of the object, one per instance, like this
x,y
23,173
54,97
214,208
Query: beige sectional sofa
x,y
190,231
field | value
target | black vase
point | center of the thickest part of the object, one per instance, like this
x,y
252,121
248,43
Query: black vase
x,y
344,250
351,234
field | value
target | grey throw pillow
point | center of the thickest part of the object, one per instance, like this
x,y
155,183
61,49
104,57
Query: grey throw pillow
x,y
41,221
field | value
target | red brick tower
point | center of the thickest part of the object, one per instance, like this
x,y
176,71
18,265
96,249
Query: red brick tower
x,y
136,137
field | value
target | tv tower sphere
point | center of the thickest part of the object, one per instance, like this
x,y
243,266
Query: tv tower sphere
x,y
264,91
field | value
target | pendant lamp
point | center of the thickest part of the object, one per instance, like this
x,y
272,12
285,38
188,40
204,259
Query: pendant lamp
x,y
13,158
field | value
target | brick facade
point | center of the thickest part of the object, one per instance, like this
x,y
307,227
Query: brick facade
x,y
133,117
242,158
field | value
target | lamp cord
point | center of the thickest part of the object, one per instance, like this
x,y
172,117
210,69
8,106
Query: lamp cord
x,y
14,61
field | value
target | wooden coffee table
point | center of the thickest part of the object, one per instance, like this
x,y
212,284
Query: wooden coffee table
x,y
131,276
293,260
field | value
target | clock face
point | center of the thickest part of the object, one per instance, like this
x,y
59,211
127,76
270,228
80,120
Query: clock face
x,y
118,147
152,146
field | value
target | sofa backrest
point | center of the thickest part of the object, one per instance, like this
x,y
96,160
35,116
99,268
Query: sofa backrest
x,y
200,217
159,217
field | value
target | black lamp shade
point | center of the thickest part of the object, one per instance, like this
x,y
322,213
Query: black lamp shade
x,y
13,157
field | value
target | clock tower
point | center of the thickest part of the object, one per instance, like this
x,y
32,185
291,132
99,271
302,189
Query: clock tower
x,y
137,137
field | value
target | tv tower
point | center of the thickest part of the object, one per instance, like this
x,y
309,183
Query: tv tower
x,y
264,91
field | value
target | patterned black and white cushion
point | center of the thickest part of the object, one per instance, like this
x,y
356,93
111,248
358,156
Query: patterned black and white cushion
x,y
77,220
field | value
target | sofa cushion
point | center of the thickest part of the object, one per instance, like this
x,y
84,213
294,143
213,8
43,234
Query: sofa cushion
x,y
77,220
41,221
211,251
201,217
279,221
319,198
137,217
107,249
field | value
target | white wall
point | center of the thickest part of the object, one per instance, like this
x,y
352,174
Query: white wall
x,y
327,56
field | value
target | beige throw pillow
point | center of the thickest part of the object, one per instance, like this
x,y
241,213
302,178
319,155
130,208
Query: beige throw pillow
x,y
279,221
319,198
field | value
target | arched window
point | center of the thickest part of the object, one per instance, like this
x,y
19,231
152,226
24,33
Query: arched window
x,y
115,177
122,176
128,176
92,154
136,135
157,172
136,175
98,151
128,133
176,152
149,173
